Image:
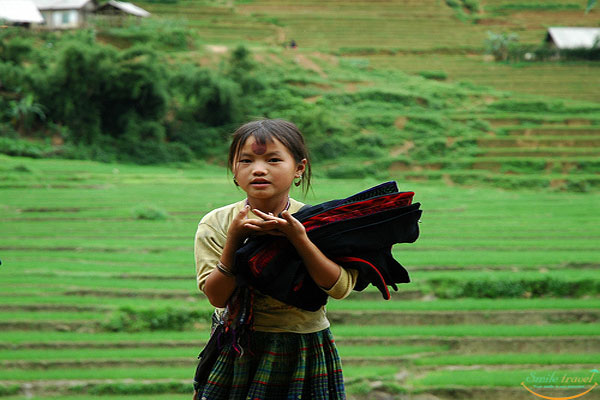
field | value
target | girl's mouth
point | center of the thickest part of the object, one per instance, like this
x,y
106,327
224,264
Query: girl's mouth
x,y
260,183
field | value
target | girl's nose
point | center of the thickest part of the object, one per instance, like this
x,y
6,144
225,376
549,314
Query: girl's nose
x,y
259,169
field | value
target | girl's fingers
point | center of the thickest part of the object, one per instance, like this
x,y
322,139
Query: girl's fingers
x,y
261,225
244,212
262,214
287,216
267,217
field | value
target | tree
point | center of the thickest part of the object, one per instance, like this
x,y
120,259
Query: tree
x,y
96,91
24,112
499,44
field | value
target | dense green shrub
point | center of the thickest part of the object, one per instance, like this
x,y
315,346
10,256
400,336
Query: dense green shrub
x,y
534,6
104,389
99,151
436,75
14,80
349,171
157,33
590,166
459,7
329,149
205,96
472,5
23,148
365,121
513,288
241,69
432,125
479,125
114,88
15,50
203,141
149,212
134,320
527,166
364,51
577,185
7,130
432,147
151,152
406,99
528,106
9,390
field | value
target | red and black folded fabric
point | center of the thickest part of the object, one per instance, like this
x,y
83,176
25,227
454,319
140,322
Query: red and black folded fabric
x,y
357,232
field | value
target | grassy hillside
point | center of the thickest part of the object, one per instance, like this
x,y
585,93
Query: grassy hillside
x,y
378,90
98,297
408,36
408,86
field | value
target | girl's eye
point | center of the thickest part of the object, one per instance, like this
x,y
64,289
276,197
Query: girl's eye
x,y
275,160
245,161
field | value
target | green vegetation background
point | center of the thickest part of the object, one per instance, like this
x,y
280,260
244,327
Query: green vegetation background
x,y
405,95
99,204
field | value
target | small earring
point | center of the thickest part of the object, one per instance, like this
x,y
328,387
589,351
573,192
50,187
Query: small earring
x,y
298,182
235,181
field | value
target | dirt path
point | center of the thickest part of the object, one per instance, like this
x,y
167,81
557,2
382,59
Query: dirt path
x,y
350,317
309,64
461,344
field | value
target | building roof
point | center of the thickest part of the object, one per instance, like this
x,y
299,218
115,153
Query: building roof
x,y
572,38
61,4
128,8
20,11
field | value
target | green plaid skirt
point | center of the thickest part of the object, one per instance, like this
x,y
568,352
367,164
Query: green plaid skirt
x,y
281,366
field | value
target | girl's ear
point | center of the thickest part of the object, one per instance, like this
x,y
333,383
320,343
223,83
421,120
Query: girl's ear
x,y
300,168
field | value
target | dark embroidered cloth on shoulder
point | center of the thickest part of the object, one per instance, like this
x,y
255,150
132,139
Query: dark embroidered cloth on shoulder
x,y
356,232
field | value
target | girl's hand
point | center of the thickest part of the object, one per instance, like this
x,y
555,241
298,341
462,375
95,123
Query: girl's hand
x,y
287,226
323,271
241,227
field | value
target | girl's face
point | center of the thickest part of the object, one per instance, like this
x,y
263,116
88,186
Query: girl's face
x,y
266,171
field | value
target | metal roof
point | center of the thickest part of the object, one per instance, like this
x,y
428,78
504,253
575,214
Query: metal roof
x,y
129,8
572,38
60,4
20,11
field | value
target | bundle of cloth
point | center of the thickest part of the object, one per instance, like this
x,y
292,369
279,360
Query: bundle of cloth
x,y
356,232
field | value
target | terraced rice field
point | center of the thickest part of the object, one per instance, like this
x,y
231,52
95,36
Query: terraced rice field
x,y
411,36
559,80
95,301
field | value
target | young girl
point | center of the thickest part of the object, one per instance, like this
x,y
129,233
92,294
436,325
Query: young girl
x,y
291,354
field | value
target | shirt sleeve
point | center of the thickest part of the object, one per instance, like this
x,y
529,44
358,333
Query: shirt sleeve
x,y
208,247
344,285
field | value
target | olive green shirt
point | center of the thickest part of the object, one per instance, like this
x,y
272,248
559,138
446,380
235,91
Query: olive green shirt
x,y
270,315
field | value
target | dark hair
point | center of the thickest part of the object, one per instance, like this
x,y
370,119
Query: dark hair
x,y
265,130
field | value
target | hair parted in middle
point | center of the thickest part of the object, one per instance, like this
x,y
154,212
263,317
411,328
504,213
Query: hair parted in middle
x,y
265,130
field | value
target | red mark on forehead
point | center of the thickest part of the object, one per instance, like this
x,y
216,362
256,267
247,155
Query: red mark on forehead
x,y
258,148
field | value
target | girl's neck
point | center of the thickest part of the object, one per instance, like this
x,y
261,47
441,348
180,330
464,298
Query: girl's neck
x,y
274,206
